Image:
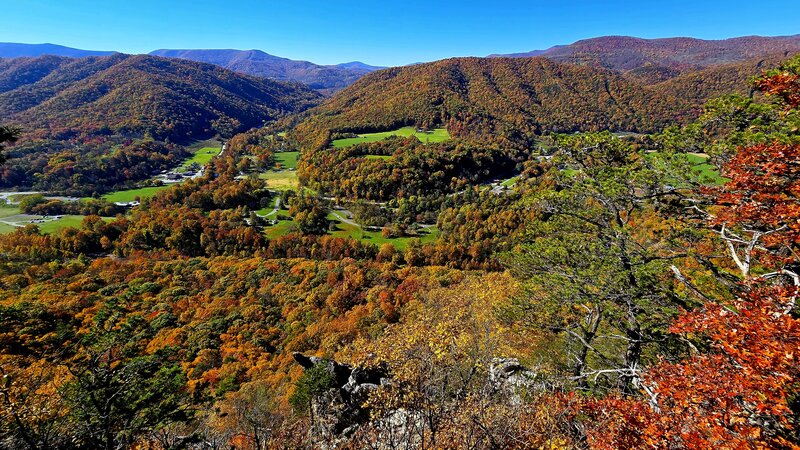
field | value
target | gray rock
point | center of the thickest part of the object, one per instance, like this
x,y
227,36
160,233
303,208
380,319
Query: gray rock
x,y
508,376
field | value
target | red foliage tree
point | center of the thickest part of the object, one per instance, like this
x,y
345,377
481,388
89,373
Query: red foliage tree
x,y
739,393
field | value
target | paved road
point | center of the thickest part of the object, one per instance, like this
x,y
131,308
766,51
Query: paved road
x,y
344,219
5,196
13,224
274,210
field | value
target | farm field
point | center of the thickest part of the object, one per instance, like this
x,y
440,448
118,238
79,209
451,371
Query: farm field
x,y
53,226
11,217
280,180
284,178
436,135
706,173
344,230
8,210
201,157
287,160
282,228
131,194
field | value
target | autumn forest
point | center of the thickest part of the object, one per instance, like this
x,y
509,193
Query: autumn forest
x,y
597,247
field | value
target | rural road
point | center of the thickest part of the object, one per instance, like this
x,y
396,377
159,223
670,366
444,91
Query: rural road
x,y
344,219
5,196
13,224
275,209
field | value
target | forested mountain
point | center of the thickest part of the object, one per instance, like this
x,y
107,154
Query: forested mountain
x,y
258,63
82,119
664,58
508,98
15,50
138,94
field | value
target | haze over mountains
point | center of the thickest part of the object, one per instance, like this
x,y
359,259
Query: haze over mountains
x,y
255,62
15,50
323,78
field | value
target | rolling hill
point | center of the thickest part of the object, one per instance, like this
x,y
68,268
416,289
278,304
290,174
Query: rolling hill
x,y
660,59
257,63
139,95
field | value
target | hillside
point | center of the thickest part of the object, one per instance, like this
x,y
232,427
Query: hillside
x,y
257,63
664,58
526,95
16,50
508,98
137,95
96,124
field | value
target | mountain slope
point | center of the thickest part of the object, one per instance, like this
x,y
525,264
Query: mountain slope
x,y
508,98
138,94
15,50
664,58
258,63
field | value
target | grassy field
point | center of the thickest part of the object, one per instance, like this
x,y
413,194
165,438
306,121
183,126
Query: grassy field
x,y
704,172
8,211
707,173
201,156
265,211
345,230
437,135
49,227
282,228
281,180
287,160
54,226
131,194
510,182
384,157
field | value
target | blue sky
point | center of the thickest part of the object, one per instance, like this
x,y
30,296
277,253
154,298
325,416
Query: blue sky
x,y
378,32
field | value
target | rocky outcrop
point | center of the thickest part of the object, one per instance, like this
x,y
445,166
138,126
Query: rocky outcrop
x,y
339,412
509,377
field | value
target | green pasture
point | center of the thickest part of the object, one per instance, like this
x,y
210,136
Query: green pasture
x,y
436,135
201,157
130,195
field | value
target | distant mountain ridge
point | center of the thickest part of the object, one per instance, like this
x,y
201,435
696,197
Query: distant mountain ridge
x,y
15,50
325,79
648,60
322,78
660,59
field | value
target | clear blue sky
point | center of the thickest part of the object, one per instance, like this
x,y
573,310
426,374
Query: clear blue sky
x,y
379,32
